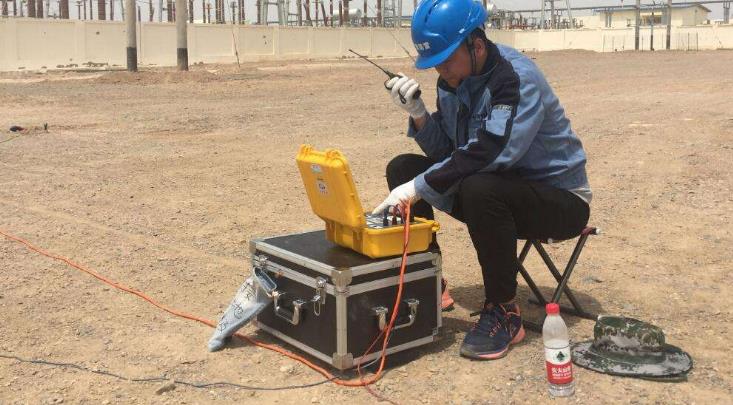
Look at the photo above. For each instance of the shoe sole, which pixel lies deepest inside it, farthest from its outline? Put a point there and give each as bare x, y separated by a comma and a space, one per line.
493, 356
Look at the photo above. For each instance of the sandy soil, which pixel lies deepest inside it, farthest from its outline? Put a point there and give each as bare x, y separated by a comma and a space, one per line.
160, 179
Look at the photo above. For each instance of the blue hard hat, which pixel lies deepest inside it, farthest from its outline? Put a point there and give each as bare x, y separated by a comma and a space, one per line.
439, 27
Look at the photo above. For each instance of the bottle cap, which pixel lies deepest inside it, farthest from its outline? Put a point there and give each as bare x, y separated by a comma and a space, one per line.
552, 308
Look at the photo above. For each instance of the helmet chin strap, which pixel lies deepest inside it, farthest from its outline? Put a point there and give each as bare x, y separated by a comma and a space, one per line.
472, 53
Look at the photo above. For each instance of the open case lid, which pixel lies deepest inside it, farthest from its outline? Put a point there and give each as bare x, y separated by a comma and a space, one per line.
330, 187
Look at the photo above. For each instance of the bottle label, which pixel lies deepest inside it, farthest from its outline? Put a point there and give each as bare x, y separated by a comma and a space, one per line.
558, 364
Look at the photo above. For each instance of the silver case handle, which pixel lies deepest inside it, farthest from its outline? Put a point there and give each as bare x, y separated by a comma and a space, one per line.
381, 313
292, 317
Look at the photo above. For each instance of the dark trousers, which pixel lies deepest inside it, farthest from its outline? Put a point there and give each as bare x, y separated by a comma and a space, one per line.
498, 209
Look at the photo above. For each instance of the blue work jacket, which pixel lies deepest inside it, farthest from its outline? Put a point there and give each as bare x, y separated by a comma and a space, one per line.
507, 118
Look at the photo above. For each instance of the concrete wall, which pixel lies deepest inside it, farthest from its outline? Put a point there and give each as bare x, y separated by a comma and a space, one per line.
705, 37
33, 44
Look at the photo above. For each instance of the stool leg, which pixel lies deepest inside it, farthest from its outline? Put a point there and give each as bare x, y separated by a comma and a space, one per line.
525, 273
563, 279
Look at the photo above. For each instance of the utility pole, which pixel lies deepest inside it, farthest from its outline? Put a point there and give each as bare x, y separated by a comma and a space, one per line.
380, 23
190, 11
552, 14
308, 12
347, 16
111, 10
150, 10
203, 10
131, 36
669, 25
64, 9
91, 9
181, 34
323, 13
651, 42
542, 15
638, 22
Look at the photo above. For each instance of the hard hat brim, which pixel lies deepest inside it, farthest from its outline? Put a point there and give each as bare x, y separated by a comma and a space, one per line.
437, 59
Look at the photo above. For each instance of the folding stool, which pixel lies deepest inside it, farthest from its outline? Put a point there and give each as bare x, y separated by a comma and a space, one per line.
561, 278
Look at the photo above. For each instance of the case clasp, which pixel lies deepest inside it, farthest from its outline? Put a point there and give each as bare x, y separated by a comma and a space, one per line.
320, 297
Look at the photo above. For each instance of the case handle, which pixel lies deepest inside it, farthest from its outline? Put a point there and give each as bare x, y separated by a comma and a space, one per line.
381, 313
292, 317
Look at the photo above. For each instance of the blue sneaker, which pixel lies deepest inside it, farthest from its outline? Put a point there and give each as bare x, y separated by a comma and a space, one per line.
498, 327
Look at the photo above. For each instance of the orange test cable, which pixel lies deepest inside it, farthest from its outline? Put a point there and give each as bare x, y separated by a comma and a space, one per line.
173, 311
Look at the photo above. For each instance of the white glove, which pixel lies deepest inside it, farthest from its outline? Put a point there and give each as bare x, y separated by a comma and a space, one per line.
402, 195
407, 87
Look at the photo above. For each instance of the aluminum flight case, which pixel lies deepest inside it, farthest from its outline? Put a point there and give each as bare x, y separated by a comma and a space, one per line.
331, 302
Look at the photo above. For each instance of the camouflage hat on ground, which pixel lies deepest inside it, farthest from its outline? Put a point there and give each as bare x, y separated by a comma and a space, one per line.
629, 347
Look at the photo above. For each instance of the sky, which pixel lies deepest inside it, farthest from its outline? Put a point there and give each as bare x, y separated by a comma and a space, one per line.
251, 10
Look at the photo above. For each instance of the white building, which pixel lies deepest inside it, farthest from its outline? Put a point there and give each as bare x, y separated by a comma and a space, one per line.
682, 15
622, 17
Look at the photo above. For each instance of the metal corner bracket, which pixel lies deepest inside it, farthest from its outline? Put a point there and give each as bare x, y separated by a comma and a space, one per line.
341, 277
343, 361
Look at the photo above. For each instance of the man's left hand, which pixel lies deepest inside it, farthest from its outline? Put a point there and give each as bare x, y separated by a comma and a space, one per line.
402, 195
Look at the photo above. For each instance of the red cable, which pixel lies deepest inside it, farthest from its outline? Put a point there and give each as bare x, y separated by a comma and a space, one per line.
388, 330
322, 371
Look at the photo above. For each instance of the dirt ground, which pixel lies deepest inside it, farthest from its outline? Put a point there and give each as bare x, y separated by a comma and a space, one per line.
159, 180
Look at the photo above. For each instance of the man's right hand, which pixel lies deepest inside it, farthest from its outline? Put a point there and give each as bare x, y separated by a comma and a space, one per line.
403, 85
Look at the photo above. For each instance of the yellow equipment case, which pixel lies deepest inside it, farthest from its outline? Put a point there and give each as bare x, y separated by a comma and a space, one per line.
333, 197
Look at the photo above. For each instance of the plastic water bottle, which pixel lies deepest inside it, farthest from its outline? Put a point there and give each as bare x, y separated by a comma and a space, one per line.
557, 353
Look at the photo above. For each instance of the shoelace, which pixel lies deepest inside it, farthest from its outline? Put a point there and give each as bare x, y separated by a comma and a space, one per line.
495, 319
500, 316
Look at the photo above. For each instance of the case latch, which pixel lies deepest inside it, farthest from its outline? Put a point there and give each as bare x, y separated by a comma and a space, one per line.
259, 262
381, 313
320, 297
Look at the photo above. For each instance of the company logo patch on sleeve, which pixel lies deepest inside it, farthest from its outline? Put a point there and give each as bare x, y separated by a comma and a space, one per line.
502, 107
500, 115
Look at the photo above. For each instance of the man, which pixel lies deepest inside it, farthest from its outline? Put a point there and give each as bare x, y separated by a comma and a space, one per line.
500, 157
